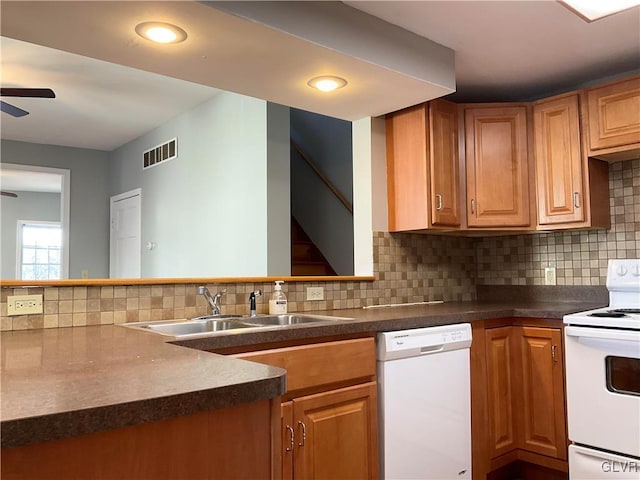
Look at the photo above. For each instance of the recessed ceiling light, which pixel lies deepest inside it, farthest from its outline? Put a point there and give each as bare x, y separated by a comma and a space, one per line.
592, 10
161, 32
327, 83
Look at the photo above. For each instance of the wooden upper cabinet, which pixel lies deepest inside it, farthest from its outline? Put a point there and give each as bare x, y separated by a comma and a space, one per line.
543, 426
559, 161
444, 174
614, 118
497, 166
572, 190
422, 167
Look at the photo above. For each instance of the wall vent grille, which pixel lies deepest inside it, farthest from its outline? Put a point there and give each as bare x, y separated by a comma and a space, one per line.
159, 154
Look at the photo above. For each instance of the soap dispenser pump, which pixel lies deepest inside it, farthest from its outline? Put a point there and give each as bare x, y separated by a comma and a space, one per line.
278, 302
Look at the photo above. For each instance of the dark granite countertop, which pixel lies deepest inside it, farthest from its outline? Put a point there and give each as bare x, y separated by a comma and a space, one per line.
66, 382
72, 381
383, 319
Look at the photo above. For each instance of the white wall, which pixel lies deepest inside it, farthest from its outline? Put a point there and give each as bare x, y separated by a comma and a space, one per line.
89, 207
278, 187
34, 206
206, 210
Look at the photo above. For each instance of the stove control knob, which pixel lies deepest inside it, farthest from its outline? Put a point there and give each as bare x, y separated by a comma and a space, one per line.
635, 270
621, 271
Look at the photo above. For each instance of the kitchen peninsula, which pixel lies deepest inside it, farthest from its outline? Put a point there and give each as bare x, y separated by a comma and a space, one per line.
98, 388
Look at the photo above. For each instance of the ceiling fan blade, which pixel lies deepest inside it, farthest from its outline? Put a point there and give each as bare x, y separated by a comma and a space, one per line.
12, 110
8, 194
27, 92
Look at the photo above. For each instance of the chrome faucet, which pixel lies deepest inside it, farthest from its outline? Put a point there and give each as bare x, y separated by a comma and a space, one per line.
213, 300
252, 302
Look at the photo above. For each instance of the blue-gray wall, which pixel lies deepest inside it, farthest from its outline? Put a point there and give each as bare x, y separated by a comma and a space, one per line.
89, 208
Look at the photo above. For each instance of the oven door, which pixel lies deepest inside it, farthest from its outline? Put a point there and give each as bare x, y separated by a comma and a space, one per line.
603, 388
589, 464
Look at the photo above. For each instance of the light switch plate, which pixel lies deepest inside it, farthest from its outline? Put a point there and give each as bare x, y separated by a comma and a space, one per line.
24, 304
315, 293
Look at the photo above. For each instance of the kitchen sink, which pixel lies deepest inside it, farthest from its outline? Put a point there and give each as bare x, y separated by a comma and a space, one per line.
191, 327
217, 324
291, 319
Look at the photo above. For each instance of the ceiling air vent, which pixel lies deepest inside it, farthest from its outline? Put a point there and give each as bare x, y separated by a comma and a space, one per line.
159, 154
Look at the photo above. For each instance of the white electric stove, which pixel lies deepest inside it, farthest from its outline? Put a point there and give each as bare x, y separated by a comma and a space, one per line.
603, 381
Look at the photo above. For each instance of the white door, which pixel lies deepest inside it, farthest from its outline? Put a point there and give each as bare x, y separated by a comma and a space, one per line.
125, 241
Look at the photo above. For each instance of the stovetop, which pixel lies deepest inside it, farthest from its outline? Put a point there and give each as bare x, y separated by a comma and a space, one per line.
623, 283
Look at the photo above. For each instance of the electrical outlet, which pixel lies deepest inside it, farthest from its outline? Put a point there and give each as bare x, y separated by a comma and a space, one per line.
549, 275
315, 293
24, 304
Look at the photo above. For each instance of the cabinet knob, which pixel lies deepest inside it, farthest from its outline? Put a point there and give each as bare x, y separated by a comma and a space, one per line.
438, 201
554, 357
291, 440
473, 206
576, 199
304, 433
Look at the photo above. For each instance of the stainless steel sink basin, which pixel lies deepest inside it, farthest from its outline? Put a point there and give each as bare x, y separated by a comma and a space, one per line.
199, 326
291, 319
217, 324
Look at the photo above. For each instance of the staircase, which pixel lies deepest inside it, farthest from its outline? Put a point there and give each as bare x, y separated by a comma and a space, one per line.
306, 259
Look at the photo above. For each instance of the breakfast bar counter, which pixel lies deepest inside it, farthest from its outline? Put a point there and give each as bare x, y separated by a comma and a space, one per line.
65, 382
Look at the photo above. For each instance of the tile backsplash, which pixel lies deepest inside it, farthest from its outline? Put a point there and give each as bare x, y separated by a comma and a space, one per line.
580, 257
408, 268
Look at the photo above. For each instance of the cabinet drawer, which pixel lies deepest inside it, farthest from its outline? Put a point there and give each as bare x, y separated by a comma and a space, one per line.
322, 363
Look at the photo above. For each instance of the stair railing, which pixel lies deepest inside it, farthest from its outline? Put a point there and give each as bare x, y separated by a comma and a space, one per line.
322, 177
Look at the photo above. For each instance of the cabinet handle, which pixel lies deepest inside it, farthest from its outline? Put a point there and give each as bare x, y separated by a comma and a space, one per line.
291, 441
553, 353
304, 433
576, 199
439, 199
473, 206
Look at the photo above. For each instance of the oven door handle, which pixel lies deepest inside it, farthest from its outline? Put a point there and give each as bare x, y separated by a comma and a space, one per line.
603, 333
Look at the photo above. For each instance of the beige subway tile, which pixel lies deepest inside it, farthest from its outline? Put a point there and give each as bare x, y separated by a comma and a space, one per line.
79, 293
106, 318
65, 320
119, 316
132, 304
79, 319
106, 292
50, 293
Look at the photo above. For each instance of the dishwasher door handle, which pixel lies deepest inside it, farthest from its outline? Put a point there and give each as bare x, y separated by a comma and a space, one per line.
431, 349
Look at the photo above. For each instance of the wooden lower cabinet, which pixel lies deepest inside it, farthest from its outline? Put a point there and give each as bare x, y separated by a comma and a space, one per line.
541, 387
500, 388
329, 416
231, 443
331, 434
518, 398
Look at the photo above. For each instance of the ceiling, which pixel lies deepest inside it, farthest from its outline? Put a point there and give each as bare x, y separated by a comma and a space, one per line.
504, 50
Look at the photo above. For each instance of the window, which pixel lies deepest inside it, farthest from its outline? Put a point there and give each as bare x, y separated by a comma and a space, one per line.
40, 246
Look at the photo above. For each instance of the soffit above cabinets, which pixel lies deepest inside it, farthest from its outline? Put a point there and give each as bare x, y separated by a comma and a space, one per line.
228, 52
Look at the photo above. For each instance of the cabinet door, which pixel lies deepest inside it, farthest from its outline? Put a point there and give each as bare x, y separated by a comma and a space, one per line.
497, 167
614, 114
336, 434
407, 170
443, 161
559, 167
288, 440
542, 406
422, 167
500, 353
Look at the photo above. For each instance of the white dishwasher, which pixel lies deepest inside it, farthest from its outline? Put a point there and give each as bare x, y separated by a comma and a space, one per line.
425, 403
